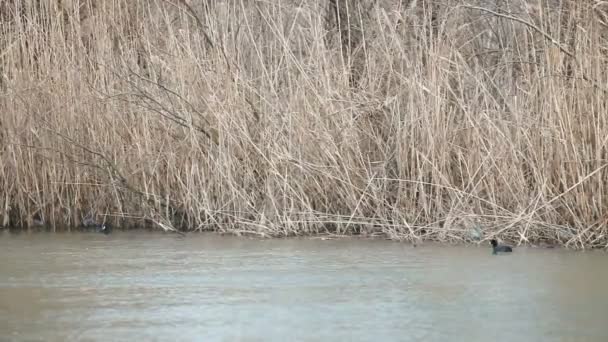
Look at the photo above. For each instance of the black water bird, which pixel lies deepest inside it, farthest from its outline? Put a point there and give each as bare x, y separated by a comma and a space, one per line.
496, 248
104, 228
90, 224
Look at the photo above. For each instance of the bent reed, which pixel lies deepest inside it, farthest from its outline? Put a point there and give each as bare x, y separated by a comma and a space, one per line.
415, 120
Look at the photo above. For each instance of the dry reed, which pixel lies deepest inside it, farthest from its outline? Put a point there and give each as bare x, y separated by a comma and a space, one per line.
414, 120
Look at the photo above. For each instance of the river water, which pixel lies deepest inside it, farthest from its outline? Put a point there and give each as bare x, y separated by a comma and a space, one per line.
158, 287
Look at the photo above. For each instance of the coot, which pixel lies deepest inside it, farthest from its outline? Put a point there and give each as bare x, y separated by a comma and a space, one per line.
499, 248
105, 228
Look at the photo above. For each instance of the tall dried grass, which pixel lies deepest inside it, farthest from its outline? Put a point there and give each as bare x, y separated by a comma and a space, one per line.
265, 118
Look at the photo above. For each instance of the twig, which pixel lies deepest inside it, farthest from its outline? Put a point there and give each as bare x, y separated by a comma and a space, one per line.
526, 23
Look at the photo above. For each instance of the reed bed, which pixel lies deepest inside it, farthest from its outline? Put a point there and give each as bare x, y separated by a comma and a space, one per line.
414, 120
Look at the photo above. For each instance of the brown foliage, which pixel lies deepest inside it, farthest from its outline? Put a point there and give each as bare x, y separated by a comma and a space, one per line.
418, 120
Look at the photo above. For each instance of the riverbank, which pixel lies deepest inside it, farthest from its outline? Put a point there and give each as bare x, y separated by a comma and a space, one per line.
418, 122
471, 237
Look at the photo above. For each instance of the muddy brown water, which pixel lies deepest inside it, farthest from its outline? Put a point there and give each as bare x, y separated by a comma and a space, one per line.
158, 287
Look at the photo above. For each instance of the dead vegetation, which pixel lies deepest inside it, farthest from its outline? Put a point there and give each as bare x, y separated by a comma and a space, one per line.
409, 119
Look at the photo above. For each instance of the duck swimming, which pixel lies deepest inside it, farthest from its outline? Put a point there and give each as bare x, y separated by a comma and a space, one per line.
496, 248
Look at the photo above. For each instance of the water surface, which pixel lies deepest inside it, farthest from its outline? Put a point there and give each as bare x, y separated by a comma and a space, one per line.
159, 287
